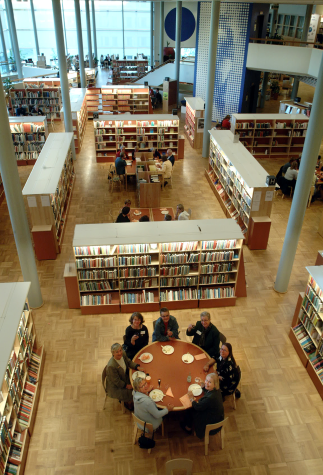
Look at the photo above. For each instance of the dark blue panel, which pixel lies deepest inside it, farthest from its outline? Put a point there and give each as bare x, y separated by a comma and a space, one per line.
188, 24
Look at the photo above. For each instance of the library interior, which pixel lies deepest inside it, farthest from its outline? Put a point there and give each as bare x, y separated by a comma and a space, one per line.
191, 339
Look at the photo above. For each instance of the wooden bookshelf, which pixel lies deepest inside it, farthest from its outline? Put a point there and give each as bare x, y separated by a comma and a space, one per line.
271, 135
21, 369
49, 190
93, 101
79, 115
44, 82
307, 327
118, 99
48, 99
28, 135
194, 111
291, 107
127, 70
154, 263
239, 183
145, 131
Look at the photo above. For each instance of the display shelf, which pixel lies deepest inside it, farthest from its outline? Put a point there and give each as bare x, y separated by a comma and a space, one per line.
48, 191
271, 135
79, 115
194, 111
291, 107
20, 361
28, 135
157, 266
128, 70
47, 98
239, 183
144, 131
306, 332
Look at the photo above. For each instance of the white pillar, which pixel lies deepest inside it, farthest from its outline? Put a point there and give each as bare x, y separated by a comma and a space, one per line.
152, 34
178, 45
88, 28
79, 41
32, 10
14, 38
161, 34
94, 31
4, 45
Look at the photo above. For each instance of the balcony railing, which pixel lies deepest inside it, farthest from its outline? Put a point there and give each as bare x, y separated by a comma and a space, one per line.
285, 42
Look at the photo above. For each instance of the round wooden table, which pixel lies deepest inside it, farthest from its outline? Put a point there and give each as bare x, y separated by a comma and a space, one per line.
171, 370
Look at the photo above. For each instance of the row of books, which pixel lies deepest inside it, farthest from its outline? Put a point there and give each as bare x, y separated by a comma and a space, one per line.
98, 274
27, 138
312, 299
12, 363
22, 126
33, 367
215, 279
96, 262
94, 250
178, 295
133, 248
5, 442
179, 258
178, 281
26, 405
223, 244
178, 270
304, 339
179, 246
219, 256
315, 287
138, 283
140, 297
218, 293
139, 272
28, 147
98, 286
135, 260
96, 299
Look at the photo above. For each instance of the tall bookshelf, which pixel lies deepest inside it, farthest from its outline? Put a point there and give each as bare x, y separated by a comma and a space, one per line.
153, 265
93, 101
21, 369
144, 131
306, 331
271, 135
79, 115
48, 99
192, 128
49, 190
239, 183
127, 70
28, 135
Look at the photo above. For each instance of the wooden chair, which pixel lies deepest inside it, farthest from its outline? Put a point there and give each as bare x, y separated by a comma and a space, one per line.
233, 395
210, 427
115, 180
223, 339
179, 464
154, 324
149, 427
104, 377
189, 212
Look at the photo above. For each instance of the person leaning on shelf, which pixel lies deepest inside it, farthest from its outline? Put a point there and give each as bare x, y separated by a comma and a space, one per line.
122, 150
124, 215
167, 217
120, 164
227, 369
205, 335
170, 156
144, 218
226, 125
166, 169
166, 327
181, 214
117, 380
136, 336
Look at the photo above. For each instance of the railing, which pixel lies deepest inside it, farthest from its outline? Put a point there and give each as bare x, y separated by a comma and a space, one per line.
284, 42
154, 69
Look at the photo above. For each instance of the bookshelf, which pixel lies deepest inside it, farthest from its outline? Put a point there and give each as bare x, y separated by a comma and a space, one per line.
49, 190
194, 111
145, 131
127, 70
307, 327
28, 136
239, 183
44, 82
291, 107
48, 99
271, 135
79, 115
154, 265
21, 369
93, 101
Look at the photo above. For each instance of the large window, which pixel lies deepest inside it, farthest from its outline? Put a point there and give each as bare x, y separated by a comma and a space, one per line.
290, 26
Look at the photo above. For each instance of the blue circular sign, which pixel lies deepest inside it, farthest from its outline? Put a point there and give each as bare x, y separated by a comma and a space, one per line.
188, 24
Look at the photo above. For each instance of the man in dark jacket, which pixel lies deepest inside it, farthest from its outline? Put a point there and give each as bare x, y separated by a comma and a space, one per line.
170, 156
166, 327
120, 164
124, 215
206, 335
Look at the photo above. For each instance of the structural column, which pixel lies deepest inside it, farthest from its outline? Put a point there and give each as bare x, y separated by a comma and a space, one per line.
88, 28
32, 10
161, 34
178, 45
16, 207
14, 38
58, 25
213, 44
4, 45
151, 35
94, 31
307, 21
79, 41
123, 50
264, 90
294, 88
303, 185
274, 19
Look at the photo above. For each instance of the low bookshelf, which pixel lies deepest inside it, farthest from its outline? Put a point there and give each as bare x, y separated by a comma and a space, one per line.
48, 191
44, 82
21, 369
79, 115
271, 135
29, 135
47, 98
239, 183
145, 131
155, 266
307, 327
128, 70
193, 127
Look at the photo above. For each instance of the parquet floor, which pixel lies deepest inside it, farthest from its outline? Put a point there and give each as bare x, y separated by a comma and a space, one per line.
277, 428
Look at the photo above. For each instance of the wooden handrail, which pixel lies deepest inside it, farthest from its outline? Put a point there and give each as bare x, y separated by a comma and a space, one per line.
282, 42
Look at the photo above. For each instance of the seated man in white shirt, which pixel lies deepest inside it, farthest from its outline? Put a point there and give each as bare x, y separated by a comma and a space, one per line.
166, 169
181, 214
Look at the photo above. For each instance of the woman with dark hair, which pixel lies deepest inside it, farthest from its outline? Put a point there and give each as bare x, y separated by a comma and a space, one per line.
226, 369
136, 336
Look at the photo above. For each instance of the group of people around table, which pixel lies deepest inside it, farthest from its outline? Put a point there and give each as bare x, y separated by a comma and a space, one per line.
124, 215
206, 410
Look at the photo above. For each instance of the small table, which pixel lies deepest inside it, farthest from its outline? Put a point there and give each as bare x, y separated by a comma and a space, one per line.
157, 214
143, 211
171, 370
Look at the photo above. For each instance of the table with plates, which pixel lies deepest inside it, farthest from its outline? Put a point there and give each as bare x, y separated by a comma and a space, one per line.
158, 214
137, 213
172, 367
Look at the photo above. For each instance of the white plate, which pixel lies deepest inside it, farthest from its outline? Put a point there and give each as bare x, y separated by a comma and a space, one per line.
164, 212
187, 358
196, 389
168, 349
156, 395
137, 214
147, 360
138, 374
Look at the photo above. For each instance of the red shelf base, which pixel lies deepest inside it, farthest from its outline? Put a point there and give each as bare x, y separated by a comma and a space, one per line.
179, 304
211, 303
98, 309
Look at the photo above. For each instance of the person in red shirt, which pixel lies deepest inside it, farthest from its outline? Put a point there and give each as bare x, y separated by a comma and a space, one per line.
226, 125
122, 149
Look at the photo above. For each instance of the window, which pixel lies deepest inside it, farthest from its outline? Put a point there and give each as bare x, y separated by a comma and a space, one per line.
290, 26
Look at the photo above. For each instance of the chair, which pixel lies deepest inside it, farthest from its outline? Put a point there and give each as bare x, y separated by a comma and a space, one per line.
210, 427
104, 377
189, 212
115, 179
154, 324
233, 395
179, 464
149, 427
223, 338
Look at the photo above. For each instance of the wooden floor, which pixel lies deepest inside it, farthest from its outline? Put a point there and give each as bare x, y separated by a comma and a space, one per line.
277, 428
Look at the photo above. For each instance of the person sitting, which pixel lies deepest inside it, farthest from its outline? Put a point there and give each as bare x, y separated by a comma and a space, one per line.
205, 335
166, 327
122, 150
181, 214
134, 153
167, 217
287, 165
156, 154
158, 96
124, 215
207, 410
289, 180
36, 110
136, 336
166, 169
120, 164
21, 111
226, 369
226, 125
144, 219
117, 380
144, 407
170, 156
